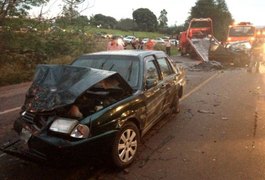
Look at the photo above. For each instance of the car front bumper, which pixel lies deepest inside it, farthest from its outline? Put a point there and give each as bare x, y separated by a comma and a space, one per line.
51, 149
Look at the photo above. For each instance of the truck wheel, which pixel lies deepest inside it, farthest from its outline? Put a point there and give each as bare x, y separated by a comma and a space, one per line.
125, 145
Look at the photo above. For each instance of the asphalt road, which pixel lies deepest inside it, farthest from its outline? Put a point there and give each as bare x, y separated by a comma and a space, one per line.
217, 135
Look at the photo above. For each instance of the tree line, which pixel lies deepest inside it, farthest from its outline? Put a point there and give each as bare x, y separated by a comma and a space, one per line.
143, 19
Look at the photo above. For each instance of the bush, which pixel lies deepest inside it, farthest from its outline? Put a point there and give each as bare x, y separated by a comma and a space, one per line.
21, 52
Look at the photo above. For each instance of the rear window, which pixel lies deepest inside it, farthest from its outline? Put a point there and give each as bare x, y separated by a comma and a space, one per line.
127, 66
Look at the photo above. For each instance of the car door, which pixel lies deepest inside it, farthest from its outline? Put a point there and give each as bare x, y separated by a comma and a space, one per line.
154, 91
169, 84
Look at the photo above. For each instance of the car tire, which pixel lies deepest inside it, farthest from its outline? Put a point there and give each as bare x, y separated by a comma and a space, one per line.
125, 145
175, 107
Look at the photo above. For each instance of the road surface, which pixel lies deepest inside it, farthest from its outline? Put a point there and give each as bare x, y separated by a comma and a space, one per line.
219, 134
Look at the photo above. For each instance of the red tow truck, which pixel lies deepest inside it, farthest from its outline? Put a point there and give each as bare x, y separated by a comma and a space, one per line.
195, 41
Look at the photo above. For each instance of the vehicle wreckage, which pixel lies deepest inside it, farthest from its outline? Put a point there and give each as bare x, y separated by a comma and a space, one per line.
46, 123
80, 110
237, 52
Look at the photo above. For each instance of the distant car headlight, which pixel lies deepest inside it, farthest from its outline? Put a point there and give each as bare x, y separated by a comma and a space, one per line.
70, 127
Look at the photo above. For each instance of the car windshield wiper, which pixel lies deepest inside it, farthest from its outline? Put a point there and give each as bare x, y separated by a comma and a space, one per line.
101, 66
107, 58
111, 67
130, 71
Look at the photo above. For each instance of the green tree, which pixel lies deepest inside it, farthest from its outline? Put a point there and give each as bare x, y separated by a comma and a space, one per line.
17, 7
145, 19
224, 18
103, 21
126, 24
217, 11
78, 22
70, 10
162, 19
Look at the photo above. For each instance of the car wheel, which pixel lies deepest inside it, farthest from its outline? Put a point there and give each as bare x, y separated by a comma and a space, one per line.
175, 108
125, 145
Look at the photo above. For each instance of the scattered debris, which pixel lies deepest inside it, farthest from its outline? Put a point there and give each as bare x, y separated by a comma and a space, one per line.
126, 170
208, 65
206, 112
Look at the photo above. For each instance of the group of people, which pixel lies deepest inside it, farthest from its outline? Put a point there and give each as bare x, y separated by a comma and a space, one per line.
117, 44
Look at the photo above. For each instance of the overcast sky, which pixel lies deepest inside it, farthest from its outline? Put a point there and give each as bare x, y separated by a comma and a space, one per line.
178, 10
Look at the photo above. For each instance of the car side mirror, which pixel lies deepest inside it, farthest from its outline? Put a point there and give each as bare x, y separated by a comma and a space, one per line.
150, 83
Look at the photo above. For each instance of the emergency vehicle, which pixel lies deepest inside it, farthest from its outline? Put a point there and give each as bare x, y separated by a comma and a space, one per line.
243, 31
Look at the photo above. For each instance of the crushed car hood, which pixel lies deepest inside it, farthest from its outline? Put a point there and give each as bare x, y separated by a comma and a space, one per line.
60, 85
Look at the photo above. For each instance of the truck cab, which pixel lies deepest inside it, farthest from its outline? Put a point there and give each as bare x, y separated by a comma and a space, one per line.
243, 31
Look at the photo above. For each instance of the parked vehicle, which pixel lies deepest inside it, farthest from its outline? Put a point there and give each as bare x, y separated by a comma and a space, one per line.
128, 39
159, 40
174, 42
144, 40
102, 103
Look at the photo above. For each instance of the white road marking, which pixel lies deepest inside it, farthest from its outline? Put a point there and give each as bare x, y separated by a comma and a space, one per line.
198, 87
9, 110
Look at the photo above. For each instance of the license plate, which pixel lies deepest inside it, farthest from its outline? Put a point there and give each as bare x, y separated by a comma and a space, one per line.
25, 135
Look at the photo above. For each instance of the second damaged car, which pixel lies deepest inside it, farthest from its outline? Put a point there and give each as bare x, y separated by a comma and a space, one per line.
237, 53
102, 103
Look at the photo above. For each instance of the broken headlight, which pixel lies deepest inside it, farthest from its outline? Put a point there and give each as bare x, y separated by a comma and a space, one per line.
70, 127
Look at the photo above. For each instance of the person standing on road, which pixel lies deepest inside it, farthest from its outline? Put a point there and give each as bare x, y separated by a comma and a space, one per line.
168, 47
140, 44
257, 55
114, 45
149, 45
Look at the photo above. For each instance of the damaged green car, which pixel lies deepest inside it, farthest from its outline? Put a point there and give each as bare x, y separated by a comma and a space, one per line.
102, 103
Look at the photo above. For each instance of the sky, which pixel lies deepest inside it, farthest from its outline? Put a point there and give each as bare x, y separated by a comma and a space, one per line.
177, 10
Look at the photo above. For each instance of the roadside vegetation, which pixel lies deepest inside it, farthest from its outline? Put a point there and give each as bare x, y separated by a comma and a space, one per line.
24, 48
25, 43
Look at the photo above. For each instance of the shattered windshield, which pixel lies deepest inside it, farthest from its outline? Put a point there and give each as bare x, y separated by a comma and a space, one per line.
242, 31
126, 66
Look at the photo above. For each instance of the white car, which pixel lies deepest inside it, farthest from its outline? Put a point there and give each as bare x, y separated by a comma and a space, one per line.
144, 40
128, 39
174, 42
159, 40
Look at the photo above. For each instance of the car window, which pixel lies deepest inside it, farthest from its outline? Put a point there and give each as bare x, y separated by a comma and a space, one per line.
127, 66
164, 67
151, 70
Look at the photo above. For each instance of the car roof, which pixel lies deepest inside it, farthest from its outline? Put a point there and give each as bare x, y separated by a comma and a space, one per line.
136, 53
